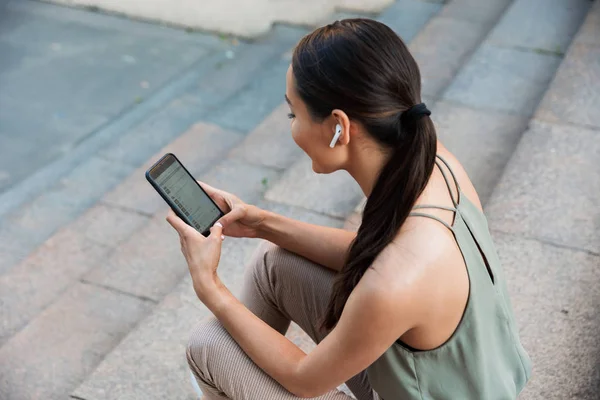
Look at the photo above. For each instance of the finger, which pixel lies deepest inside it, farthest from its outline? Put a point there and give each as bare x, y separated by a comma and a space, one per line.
216, 232
177, 223
180, 225
232, 216
217, 195
209, 189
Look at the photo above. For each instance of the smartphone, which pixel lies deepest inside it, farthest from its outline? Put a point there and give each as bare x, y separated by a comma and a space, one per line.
183, 193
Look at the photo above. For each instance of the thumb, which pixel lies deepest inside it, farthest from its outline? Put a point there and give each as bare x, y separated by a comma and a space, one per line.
216, 232
232, 216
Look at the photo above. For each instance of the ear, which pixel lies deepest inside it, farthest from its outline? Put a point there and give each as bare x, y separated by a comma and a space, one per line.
341, 118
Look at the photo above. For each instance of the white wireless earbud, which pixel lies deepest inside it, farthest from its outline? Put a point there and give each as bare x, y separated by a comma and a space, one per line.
338, 132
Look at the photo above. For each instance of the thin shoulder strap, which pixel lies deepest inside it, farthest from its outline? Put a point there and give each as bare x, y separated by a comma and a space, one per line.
418, 214
434, 206
455, 202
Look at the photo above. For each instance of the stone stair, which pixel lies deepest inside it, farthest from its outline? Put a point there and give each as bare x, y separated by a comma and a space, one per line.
40, 205
114, 322
92, 208
545, 217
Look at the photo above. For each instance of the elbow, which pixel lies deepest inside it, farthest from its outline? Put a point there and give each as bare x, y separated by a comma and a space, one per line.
300, 386
304, 384
299, 389
304, 392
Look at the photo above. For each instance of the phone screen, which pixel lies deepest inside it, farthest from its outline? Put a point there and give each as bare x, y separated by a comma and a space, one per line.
185, 193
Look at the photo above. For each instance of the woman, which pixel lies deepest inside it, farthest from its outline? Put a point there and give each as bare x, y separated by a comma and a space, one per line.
412, 306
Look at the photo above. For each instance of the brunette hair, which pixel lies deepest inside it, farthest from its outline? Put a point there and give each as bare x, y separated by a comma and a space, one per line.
362, 67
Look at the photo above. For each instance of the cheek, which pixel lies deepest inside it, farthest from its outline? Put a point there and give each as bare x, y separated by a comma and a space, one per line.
294, 130
300, 135
304, 136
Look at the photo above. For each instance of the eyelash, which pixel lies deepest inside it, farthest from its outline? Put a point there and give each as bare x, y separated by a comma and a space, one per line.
291, 116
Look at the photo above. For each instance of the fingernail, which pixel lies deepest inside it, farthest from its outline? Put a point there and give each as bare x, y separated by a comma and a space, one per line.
222, 237
218, 223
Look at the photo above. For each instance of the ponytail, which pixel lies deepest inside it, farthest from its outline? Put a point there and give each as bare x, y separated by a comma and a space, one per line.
362, 67
399, 185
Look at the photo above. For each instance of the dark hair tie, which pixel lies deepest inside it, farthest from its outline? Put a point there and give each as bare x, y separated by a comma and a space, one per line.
416, 112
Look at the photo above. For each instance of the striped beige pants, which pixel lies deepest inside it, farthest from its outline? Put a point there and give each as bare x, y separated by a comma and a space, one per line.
279, 287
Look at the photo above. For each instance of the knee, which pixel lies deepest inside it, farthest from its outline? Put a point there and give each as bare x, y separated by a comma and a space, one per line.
265, 257
203, 345
275, 266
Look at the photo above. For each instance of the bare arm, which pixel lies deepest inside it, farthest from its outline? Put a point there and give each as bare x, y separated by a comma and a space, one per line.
370, 323
375, 315
321, 244
324, 245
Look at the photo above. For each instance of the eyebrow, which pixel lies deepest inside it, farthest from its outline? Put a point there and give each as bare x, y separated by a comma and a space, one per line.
287, 99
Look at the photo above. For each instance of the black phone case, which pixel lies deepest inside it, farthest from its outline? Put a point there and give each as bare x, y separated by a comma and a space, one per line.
168, 200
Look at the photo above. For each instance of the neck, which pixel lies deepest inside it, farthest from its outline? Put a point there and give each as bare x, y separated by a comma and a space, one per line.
365, 167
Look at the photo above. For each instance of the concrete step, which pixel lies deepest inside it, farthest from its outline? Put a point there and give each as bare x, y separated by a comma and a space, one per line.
449, 40
129, 267
150, 362
51, 355
483, 113
255, 101
82, 251
108, 247
545, 218
66, 74
86, 243
270, 144
119, 231
140, 76
333, 194
63, 190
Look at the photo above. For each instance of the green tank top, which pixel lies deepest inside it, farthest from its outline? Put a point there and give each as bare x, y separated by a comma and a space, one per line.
483, 359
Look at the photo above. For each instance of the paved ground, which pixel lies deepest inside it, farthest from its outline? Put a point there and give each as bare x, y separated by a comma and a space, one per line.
85, 311
252, 17
66, 75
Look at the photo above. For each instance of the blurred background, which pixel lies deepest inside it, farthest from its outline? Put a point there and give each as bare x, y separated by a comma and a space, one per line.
95, 299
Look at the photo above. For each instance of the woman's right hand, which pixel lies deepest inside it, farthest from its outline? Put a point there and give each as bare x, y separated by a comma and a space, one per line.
240, 219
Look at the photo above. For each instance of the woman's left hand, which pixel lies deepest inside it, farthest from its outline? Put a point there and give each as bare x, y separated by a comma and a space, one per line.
201, 253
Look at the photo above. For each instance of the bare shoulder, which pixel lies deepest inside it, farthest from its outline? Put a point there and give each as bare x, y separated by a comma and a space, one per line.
399, 280
461, 175
386, 303
420, 271
419, 280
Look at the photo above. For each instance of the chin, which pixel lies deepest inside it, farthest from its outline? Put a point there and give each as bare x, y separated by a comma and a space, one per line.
316, 168
320, 169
